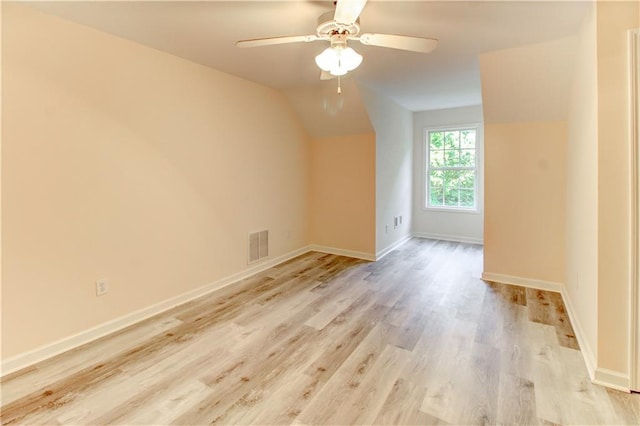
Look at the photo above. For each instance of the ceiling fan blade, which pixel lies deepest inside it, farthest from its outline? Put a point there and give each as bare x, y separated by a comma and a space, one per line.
414, 44
257, 42
347, 11
326, 75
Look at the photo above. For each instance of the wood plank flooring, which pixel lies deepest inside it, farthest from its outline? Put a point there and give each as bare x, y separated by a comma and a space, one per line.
416, 338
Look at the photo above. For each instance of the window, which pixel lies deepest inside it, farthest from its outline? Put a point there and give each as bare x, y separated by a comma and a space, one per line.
452, 169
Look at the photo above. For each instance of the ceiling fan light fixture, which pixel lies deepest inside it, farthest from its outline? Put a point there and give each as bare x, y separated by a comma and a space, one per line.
338, 60
326, 59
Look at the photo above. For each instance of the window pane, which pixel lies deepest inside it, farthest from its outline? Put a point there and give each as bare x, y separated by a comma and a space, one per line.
452, 140
467, 179
436, 140
451, 178
436, 178
466, 198
436, 158
436, 187
436, 197
467, 158
468, 139
452, 158
451, 197
449, 153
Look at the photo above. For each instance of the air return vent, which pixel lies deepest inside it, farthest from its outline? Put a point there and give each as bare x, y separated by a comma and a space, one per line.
258, 245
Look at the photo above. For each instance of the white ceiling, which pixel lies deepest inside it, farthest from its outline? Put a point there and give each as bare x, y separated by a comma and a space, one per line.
206, 31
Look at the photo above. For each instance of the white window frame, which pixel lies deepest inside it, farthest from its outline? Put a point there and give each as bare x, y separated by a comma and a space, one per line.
476, 209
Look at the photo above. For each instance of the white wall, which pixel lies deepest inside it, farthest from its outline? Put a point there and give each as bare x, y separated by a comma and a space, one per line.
582, 193
455, 225
394, 163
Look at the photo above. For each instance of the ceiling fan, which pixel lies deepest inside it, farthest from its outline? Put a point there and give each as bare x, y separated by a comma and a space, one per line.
340, 27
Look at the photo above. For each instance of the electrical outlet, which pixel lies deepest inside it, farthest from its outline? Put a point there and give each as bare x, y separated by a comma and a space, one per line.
400, 219
102, 287
386, 229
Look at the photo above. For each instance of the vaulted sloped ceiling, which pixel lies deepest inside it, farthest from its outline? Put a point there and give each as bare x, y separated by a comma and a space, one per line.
528, 83
325, 113
206, 31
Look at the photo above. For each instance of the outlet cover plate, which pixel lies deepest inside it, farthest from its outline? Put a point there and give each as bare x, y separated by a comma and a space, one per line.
102, 287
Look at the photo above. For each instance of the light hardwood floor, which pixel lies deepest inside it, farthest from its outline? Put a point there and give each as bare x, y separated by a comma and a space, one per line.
416, 338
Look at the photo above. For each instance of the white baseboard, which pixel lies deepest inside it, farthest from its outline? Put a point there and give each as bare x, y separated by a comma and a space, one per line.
612, 379
445, 237
385, 251
523, 282
342, 252
586, 349
361, 255
26, 359
599, 376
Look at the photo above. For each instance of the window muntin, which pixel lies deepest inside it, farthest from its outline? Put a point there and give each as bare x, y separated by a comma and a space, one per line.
451, 168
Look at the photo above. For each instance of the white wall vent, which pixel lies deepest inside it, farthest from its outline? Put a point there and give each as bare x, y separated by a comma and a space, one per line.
258, 245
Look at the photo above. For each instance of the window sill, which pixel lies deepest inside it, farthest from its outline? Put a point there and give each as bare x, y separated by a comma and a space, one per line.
451, 210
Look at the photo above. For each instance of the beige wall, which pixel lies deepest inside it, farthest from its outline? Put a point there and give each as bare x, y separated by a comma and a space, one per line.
525, 95
595, 262
123, 162
343, 188
614, 19
524, 200
582, 192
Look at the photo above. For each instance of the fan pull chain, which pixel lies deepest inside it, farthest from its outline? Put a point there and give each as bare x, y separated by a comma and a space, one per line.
339, 86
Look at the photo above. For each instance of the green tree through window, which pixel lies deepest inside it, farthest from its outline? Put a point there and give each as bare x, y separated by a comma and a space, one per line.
451, 168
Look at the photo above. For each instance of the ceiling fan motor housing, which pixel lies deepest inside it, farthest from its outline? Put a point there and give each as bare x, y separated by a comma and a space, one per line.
327, 26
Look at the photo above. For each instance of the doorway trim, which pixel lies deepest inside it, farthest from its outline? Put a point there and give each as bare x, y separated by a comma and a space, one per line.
634, 158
